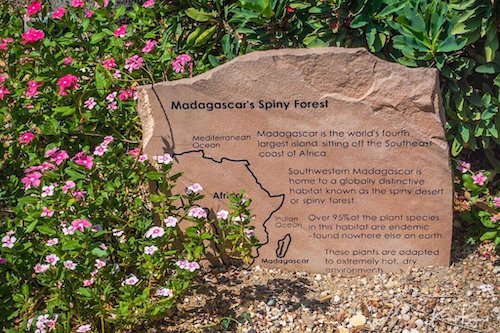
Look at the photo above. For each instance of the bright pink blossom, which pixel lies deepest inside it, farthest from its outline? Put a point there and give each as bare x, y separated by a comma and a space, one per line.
52, 259
121, 31
148, 3
78, 194
59, 13
99, 263
3, 91
100, 150
89, 282
131, 281
41, 268
496, 202
67, 61
111, 97
66, 82
31, 179
463, 166
69, 264
68, 186
89, 13
117, 74
165, 292
495, 218
109, 63
113, 105
479, 178
134, 152
47, 212
32, 35
59, 156
81, 224
142, 158
26, 138
3, 261
197, 212
180, 62
77, 3
126, 94
133, 63
90, 103
33, 8
3, 77
150, 45
4, 43
32, 90
82, 159
51, 152
84, 328
108, 139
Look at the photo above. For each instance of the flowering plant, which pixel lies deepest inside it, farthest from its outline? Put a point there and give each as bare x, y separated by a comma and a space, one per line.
91, 248
483, 204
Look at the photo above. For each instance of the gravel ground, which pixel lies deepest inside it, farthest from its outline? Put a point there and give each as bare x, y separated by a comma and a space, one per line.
461, 298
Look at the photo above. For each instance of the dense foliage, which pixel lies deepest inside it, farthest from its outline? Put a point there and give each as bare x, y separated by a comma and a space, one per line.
68, 79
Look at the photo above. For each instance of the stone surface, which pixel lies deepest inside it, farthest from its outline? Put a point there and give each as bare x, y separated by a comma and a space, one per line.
342, 153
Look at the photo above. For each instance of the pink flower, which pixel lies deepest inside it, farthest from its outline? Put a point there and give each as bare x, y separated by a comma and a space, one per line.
78, 194
59, 156
51, 152
495, 218
142, 158
84, 328
89, 282
150, 45
121, 31
41, 268
195, 188
48, 191
180, 62
31, 179
68, 230
51, 323
155, 232
197, 212
67, 82
4, 44
496, 202
67, 61
249, 232
26, 138
117, 74
77, 3
90, 103
148, 3
89, 13
165, 292
3, 91
32, 35
52, 259
109, 63
68, 186
165, 159
111, 97
150, 250
33, 8
479, 178
113, 105
133, 63
52, 242
131, 281
32, 90
47, 212
100, 150
59, 13
463, 166
8, 241
3, 261
188, 265
128, 43
170, 221
134, 152
126, 94
82, 159
107, 140
3, 77
222, 214
99, 263
81, 224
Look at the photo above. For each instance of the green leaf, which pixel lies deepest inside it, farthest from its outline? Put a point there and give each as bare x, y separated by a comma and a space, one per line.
450, 44
213, 60
64, 110
96, 38
74, 174
71, 245
464, 132
488, 235
153, 175
120, 12
98, 252
205, 36
199, 15
46, 230
101, 81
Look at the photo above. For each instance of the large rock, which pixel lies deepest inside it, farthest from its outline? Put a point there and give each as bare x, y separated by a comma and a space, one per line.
344, 154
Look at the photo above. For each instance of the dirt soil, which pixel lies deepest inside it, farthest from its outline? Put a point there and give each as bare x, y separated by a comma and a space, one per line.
461, 298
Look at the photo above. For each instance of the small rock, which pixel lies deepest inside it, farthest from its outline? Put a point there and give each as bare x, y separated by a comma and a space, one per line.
357, 320
405, 308
336, 299
342, 329
419, 323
